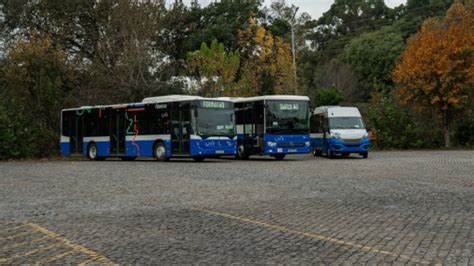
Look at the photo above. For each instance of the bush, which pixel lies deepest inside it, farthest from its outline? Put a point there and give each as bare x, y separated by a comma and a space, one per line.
465, 133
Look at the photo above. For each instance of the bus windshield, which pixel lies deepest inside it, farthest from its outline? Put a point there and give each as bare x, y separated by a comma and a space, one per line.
287, 117
346, 123
215, 122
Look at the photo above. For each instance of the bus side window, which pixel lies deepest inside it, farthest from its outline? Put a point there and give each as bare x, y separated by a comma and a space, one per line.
66, 124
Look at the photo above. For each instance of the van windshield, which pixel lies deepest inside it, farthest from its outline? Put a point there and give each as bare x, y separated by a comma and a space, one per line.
346, 123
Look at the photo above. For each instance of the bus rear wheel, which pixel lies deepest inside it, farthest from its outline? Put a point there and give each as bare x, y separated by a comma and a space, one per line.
280, 157
160, 152
92, 152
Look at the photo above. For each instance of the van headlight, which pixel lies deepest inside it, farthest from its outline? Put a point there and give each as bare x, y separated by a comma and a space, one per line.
366, 135
271, 144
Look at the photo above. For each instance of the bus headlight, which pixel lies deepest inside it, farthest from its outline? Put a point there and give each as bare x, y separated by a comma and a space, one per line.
335, 135
307, 143
271, 144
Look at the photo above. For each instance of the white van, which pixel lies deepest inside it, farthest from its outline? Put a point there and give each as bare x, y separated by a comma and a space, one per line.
337, 130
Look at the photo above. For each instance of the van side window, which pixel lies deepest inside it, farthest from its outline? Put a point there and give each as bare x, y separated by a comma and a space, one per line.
315, 124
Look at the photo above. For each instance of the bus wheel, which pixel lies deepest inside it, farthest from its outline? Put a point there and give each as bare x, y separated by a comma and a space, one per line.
92, 152
198, 159
160, 152
280, 157
241, 154
317, 152
331, 154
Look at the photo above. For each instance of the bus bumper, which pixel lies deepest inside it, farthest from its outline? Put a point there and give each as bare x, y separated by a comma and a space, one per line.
213, 147
276, 144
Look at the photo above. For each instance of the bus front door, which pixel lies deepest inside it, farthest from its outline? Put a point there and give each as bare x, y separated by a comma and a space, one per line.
75, 141
181, 129
117, 134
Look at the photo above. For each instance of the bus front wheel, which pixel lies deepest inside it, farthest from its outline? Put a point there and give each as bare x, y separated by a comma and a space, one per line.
317, 152
241, 154
160, 152
280, 157
198, 159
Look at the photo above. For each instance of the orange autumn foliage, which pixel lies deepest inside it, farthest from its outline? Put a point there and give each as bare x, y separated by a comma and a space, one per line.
437, 67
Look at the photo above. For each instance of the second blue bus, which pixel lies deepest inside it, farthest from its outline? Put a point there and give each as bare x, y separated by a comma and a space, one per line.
274, 125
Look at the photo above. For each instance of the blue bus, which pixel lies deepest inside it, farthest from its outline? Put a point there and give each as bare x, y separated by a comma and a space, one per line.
338, 130
159, 127
274, 125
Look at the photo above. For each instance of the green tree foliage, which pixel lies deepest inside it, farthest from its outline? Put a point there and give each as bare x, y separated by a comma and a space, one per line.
372, 56
328, 97
346, 19
220, 20
37, 74
215, 68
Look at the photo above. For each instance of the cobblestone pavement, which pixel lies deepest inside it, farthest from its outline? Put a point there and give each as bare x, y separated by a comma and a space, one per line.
395, 207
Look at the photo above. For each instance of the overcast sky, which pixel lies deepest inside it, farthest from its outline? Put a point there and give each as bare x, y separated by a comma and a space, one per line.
314, 7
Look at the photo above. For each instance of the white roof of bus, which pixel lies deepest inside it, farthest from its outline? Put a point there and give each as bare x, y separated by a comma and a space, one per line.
159, 99
338, 111
269, 97
178, 98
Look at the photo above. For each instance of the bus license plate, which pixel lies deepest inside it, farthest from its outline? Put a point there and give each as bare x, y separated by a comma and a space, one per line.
292, 150
220, 152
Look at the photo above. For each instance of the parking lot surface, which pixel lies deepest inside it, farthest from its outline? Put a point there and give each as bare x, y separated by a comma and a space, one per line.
395, 207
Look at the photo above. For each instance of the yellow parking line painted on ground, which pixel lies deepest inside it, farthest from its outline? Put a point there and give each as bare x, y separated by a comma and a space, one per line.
55, 257
14, 236
312, 235
31, 252
8, 229
77, 247
24, 243
84, 263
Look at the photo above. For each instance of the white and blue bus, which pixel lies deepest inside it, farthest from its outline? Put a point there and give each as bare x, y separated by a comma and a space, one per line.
159, 127
338, 130
272, 125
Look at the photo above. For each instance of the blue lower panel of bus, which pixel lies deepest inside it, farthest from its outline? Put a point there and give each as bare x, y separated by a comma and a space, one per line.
65, 148
213, 147
287, 144
144, 148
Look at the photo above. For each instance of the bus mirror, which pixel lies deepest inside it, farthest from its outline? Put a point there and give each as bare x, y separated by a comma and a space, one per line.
232, 117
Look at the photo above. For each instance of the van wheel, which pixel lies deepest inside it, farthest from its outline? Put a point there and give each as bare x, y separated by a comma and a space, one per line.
280, 157
160, 152
241, 154
92, 152
365, 155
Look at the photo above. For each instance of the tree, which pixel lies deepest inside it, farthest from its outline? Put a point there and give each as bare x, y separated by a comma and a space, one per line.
328, 96
346, 19
36, 76
437, 68
372, 56
266, 62
215, 68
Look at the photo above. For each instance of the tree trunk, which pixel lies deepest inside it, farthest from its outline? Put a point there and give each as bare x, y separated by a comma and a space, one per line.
446, 122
